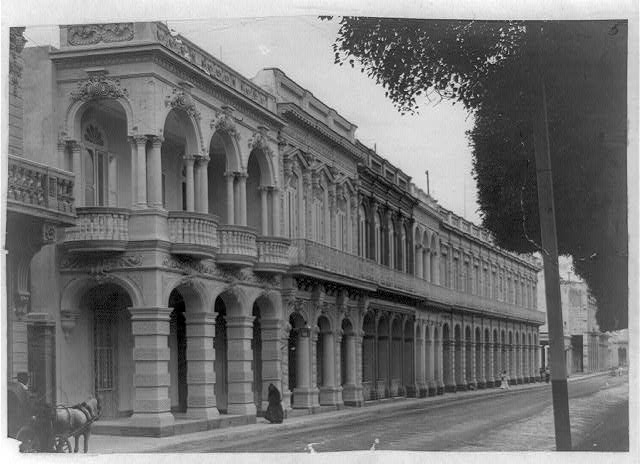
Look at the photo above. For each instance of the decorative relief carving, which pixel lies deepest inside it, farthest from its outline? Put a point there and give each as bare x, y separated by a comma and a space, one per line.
89, 34
180, 99
100, 265
16, 45
98, 86
48, 233
259, 141
225, 122
68, 319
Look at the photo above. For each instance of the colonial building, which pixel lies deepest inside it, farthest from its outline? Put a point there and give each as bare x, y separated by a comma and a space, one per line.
232, 233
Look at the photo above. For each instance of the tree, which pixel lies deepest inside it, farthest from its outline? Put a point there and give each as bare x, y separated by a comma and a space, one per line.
487, 67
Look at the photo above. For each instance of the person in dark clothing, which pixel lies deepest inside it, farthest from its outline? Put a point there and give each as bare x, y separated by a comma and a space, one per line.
274, 413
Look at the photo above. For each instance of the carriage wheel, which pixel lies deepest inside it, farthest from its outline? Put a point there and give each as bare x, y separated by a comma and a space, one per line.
63, 445
28, 439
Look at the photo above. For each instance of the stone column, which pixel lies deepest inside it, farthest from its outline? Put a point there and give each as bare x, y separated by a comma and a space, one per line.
152, 406
78, 184
230, 177
189, 161
202, 184
520, 362
240, 356
449, 346
276, 217
201, 376
271, 359
154, 173
513, 377
303, 393
140, 182
471, 351
432, 365
481, 382
489, 369
328, 390
461, 381
313, 368
242, 191
264, 210
284, 360
352, 388
419, 359
62, 147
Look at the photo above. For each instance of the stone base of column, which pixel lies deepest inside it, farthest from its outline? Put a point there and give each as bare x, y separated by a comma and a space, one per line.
352, 395
513, 381
422, 390
462, 387
304, 398
481, 385
450, 388
207, 413
489, 384
412, 390
152, 424
520, 380
432, 389
241, 409
472, 385
382, 390
330, 396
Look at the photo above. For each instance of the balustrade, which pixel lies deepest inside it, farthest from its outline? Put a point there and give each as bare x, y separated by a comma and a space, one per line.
237, 245
192, 233
322, 257
273, 254
98, 229
33, 186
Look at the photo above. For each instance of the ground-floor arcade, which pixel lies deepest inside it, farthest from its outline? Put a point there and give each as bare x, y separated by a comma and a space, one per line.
187, 340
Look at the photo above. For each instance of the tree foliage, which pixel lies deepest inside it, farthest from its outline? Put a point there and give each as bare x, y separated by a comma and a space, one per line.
488, 68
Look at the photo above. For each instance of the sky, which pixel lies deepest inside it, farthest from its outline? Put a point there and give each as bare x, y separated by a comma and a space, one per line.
432, 140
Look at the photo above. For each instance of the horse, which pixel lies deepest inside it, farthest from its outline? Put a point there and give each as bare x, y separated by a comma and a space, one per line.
77, 420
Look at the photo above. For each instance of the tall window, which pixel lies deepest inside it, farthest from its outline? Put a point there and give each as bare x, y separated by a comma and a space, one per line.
97, 166
292, 207
378, 241
362, 232
392, 244
318, 215
341, 226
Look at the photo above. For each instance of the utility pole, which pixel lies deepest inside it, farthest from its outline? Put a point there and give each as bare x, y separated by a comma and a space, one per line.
549, 238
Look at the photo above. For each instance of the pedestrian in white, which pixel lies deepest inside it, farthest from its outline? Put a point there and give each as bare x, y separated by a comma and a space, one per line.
504, 382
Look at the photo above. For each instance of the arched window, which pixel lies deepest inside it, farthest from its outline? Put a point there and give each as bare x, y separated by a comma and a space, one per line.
378, 237
404, 247
392, 244
292, 210
99, 169
362, 232
318, 216
341, 225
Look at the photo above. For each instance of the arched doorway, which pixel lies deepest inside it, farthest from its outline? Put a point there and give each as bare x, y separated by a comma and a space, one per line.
177, 354
256, 363
383, 381
369, 357
221, 363
223, 185
396, 356
259, 195
112, 352
408, 369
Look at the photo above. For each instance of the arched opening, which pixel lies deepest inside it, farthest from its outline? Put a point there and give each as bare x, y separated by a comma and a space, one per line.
221, 362
517, 352
369, 357
488, 359
503, 364
104, 311
103, 177
325, 363
177, 353
409, 380
511, 362
347, 369
383, 381
437, 363
478, 352
469, 358
377, 228
447, 359
497, 366
396, 358
391, 242
221, 179
179, 142
459, 359
622, 356
256, 362
362, 232
259, 200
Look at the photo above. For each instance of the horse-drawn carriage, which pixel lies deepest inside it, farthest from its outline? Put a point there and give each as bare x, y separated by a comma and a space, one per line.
40, 427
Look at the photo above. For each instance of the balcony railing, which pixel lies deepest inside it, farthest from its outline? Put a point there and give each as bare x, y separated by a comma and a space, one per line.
193, 234
273, 254
39, 190
321, 257
98, 229
237, 245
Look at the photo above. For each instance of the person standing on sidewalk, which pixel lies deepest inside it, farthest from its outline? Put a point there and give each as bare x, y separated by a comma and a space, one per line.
504, 382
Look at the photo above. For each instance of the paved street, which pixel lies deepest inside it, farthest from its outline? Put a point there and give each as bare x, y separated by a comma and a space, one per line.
504, 421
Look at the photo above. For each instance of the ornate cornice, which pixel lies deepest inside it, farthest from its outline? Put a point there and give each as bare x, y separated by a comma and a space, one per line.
89, 34
98, 86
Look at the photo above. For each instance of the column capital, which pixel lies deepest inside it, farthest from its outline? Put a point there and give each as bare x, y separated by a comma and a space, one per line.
155, 139
150, 313
242, 175
138, 139
74, 145
200, 317
230, 174
189, 158
202, 158
239, 321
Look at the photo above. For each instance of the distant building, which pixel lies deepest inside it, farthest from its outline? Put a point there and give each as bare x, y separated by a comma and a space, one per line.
586, 347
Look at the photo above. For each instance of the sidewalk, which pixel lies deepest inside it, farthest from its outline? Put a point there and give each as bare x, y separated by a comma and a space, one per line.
107, 444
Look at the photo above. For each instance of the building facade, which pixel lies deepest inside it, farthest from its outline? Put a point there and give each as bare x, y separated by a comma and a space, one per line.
233, 233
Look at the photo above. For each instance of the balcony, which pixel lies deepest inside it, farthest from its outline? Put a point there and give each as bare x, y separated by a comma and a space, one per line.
273, 254
310, 258
38, 190
193, 234
237, 245
98, 229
